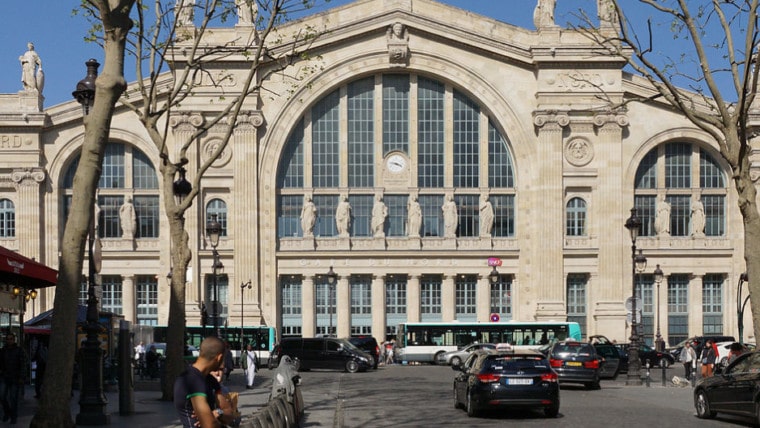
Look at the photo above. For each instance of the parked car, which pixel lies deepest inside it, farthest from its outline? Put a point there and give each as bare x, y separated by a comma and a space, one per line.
734, 391
576, 362
456, 357
612, 360
369, 345
321, 353
491, 379
697, 342
647, 353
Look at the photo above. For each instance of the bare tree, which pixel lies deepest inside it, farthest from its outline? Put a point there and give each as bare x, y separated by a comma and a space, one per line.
722, 41
54, 408
175, 54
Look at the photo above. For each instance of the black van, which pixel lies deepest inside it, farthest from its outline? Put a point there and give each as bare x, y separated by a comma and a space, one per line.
321, 353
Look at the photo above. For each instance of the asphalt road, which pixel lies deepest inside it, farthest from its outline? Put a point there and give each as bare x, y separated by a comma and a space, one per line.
421, 396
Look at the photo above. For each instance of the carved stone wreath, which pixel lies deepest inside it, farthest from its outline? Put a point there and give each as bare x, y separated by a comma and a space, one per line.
579, 151
210, 147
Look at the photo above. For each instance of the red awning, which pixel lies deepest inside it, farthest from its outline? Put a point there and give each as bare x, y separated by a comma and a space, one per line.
16, 269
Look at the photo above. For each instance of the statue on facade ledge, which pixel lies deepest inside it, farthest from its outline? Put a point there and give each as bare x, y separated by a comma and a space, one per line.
398, 44
32, 76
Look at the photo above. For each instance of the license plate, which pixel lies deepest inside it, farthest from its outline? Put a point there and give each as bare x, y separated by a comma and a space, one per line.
519, 381
573, 364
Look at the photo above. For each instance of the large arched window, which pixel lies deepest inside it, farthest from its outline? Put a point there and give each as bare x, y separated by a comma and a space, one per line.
576, 217
7, 219
218, 207
127, 173
691, 182
404, 117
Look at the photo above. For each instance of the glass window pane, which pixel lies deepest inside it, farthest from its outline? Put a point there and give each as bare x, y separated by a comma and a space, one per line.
576, 217
112, 176
325, 141
219, 208
291, 166
678, 166
7, 219
469, 214
466, 141
646, 175
395, 224
710, 175
361, 209
146, 211
326, 205
144, 175
395, 113
361, 132
500, 171
430, 133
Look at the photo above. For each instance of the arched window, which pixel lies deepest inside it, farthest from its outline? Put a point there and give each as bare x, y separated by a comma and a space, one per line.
218, 207
576, 217
690, 180
127, 173
7, 219
383, 115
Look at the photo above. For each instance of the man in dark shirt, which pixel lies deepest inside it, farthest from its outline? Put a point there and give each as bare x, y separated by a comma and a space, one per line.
195, 389
13, 367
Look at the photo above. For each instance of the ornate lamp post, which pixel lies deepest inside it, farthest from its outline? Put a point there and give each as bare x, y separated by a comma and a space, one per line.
493, 277
92, 400
633, 224
741, 305
243, 286
332, 277
659, 343
213, 231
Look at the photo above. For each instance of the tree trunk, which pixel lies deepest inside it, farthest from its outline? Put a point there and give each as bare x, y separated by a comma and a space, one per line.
55, 411
748, 207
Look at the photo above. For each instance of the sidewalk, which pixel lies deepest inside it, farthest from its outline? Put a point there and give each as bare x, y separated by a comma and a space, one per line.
150, 411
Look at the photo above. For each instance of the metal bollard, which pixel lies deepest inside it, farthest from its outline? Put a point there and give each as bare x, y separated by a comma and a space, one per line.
663, 373
649, 377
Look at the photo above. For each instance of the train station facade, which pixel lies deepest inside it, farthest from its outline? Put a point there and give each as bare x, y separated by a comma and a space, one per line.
426, 141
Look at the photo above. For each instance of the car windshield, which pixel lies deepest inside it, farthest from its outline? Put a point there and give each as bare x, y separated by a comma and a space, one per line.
514, 363
573, 349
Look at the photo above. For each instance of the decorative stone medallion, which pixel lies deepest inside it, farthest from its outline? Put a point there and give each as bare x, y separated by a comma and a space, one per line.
579, 151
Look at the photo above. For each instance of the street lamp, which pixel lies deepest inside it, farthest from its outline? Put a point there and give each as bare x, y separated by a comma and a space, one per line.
181, 187
633, 224
243, 286
659, 344
332, 277
741, 305
92, 400
493, 276
213, 231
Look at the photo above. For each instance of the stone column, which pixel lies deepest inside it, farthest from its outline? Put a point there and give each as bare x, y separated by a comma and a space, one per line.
244, 220
308, 308
129, 298
378, 307
413, 298
343, 306
448, 298
483, 299
662, 308
694, 301
27, 183
546, 225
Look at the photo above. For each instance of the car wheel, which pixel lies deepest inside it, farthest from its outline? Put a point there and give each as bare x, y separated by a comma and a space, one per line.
702, 405
471, 410
553, 410
437, 356
352, 366
593, 385
455, 361
664, 362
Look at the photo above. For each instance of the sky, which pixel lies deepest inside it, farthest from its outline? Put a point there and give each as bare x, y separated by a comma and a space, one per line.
58, 36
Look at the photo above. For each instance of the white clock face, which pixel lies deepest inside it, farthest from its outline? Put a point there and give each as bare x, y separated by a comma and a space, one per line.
396, 163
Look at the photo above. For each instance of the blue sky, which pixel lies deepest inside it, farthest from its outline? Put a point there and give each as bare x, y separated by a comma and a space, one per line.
59, 37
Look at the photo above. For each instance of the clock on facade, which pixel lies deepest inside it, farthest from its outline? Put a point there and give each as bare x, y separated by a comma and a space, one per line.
396, 163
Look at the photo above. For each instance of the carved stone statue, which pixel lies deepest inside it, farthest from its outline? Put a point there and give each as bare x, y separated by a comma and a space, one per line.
543, 14
128, 219
398, 44
486, 216
608, 17
184, 12
450, 217
247, 11
308, 216
414, 221
662, 220
32, 77
697, 218
343, 216
379, 214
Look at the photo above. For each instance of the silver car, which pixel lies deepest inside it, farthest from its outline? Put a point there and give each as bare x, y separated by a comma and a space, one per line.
455, 358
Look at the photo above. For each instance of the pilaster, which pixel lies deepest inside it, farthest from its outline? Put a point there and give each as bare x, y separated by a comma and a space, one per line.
28, 210
308, 314
694, 303
343, 307
413, 298
483, 299
378, 307
128, 298
448, 298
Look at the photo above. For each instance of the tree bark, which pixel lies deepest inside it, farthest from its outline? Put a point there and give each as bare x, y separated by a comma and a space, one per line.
55, 411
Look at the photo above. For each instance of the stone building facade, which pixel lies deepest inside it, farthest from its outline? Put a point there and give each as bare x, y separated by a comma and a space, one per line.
448, 138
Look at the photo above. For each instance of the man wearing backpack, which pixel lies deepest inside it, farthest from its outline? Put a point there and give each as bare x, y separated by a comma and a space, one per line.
13, 368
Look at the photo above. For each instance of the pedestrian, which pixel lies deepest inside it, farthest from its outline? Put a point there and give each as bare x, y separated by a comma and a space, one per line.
708, 359
229, 361
151, 361
687, 358
140, 357
248, 363
12, 366
195, 390
388, 353
40, 358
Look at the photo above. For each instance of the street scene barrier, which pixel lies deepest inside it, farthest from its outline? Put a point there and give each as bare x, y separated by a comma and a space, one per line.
285, 406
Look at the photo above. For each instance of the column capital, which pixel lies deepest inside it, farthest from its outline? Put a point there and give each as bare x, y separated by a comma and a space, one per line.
186, 122
550, 117
28, 176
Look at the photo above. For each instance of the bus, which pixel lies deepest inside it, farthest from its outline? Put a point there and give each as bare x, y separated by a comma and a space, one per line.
424, 341
261, 337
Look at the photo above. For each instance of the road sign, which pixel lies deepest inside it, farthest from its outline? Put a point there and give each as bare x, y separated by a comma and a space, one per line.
629, 304
495, 318
494, 261
638, 317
